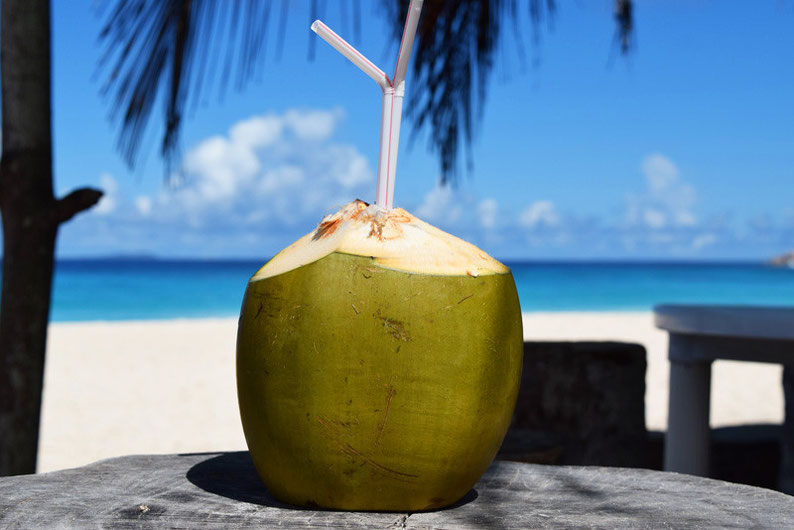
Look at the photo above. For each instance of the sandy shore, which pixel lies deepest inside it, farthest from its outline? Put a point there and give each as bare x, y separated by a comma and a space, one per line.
168, 386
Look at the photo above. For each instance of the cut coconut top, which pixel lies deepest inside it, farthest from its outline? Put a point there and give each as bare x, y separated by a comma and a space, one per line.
393, 238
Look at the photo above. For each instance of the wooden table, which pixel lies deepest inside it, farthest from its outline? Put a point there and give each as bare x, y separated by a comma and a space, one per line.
222, 490
701, 334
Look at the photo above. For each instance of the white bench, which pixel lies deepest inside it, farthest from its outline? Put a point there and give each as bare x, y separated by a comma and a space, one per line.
700, 334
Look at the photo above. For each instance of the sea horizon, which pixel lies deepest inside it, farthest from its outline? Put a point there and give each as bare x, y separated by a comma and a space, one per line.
506, 261
114, 288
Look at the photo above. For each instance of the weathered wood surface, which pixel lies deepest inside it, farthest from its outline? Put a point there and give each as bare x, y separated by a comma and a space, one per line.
222, 490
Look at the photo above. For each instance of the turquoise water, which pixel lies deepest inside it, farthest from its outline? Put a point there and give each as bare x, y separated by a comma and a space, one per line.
157, 289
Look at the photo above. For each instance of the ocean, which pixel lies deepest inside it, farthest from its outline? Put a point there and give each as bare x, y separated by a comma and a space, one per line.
143, 289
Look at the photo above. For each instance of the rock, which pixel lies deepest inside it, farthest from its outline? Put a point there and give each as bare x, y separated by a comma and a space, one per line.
784, 260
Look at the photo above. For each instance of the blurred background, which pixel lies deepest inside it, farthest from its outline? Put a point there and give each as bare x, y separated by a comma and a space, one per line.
678, 149
674, 149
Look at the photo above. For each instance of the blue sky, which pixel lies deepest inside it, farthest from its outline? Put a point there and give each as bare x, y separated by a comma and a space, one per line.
683, 150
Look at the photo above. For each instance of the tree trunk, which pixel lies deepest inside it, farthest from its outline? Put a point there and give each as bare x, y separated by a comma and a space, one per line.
31, 216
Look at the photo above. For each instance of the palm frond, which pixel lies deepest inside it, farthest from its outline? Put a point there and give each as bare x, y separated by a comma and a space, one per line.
624, 15
178, 50
174, 49
453, 60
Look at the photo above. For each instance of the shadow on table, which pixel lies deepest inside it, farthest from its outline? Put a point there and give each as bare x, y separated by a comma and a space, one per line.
232, 475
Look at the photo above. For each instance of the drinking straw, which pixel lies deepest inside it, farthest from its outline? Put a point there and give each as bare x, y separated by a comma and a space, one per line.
351, 53
393, 91
398, 82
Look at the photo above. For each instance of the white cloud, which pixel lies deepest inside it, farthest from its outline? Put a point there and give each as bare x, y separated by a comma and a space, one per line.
250, 191
270, 170
667, 200
258, 131
144, 205
539, 214
685, 218
110, 188
280, 178
270, 178
347, 166
220, 166
654, 218
487, 211
660, 172
441, 205
313, 125
703, 240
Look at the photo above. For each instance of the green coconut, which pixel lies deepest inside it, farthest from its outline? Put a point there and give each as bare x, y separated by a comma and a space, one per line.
378, 363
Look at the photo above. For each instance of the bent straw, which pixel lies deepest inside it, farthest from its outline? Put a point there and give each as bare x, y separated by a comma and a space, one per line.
392, 101
343, 47
398, 82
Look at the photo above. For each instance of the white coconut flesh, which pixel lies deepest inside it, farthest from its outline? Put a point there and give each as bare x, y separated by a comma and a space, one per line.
394, 239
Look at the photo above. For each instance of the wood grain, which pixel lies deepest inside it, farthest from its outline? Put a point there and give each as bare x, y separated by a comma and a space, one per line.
222, 490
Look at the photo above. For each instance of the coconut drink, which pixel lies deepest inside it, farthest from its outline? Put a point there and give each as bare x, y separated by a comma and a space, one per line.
378, 357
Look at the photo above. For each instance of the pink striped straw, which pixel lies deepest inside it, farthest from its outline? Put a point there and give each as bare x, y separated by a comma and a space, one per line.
351, 53
393, 94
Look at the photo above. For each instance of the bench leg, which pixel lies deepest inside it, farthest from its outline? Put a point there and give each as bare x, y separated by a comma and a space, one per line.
686, 446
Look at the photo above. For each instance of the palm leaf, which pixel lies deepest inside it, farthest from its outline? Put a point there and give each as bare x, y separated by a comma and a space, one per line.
454, 57
175, 50
179, 49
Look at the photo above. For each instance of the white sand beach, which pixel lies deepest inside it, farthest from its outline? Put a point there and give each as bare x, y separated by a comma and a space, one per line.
116, 388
